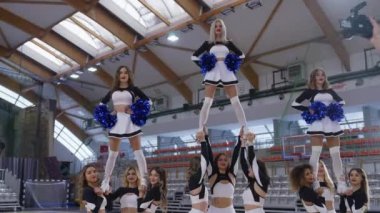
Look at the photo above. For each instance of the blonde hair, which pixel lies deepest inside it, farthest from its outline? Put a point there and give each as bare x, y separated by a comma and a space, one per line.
212, 31
312, 83
126, 182
327, 177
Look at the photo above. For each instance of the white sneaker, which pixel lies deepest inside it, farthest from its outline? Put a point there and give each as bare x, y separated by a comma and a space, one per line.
105, 185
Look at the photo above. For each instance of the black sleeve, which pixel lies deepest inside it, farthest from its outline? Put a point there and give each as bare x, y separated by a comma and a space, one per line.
336, 97
107, 98
231, 46
90, 197
235, 156
204, 158
342, 204
297, 104
202, 49
114, 195
261, 176
243, 163
211, 168
360, 199
309, 195
140, 93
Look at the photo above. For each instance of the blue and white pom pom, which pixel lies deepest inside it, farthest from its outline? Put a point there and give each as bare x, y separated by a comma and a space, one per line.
207, 62
232, 62
141, 110
319, 109
335, 112
104, 116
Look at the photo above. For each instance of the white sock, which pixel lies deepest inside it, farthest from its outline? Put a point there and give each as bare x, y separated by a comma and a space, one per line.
337, 163
235, 102
141, 164
314, 162
112, 156
203, 114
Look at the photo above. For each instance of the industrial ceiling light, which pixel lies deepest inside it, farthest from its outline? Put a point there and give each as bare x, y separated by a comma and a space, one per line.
92, 69
74, 76
172, 37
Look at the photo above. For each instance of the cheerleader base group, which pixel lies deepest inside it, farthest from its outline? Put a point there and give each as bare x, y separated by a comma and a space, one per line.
145, 190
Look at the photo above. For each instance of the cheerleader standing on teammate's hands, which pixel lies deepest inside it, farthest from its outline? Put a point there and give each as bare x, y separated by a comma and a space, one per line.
123, 95
319, 90
219, 76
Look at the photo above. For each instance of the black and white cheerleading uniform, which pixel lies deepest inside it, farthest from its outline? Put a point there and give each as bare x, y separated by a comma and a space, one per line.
261, 180
325, 126
223, 190
146, 204
124, 127
197, 180
94, 203
219, 76
356, 203
128, 197
307, 194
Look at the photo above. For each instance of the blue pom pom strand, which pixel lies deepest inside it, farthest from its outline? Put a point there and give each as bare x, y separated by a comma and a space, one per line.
319, 109
141, 110
232, 62
207, 62
104, 117
335, 112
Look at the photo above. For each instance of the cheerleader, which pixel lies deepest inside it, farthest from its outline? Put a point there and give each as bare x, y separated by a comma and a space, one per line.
123, 95
319, 90
219, 76
356, 199
90, 194
258, 179
301, 180
156, 192
327, 187
222, 179
195, 176
129, 193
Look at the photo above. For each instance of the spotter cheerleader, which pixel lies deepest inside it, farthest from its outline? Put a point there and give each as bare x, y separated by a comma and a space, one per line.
256, 174
222, 179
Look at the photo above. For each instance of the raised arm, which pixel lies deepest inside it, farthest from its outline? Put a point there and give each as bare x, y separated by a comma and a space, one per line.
297, 104
235, 156
243, 162
211, 168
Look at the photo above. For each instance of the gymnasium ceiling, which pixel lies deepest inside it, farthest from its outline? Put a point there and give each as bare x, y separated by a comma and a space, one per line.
48, 40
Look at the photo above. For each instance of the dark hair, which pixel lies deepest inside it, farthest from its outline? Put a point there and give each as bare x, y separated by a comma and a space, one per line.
217, 158
82, 179
297, 176
116, 81
162, 185
364, 183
